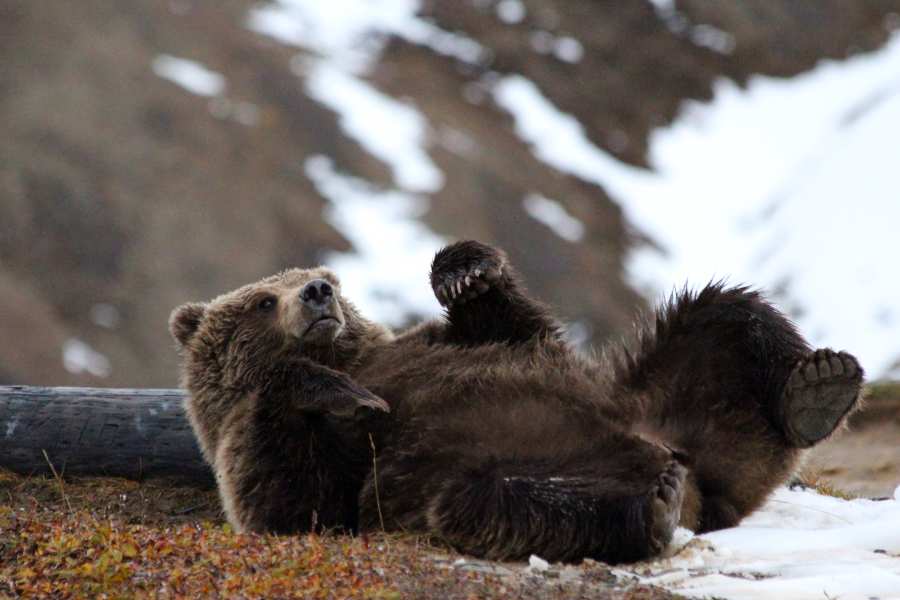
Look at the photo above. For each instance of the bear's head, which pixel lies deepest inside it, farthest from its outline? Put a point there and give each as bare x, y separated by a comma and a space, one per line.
231, 341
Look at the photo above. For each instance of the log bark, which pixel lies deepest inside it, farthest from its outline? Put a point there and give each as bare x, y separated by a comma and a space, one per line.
132, 433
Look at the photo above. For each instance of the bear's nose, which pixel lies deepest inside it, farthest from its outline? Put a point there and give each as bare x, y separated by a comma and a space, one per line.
316, 292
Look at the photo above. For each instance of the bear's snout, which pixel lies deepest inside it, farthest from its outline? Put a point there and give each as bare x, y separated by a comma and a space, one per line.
316, 293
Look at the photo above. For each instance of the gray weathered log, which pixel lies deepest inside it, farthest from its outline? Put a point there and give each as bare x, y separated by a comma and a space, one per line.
97, 431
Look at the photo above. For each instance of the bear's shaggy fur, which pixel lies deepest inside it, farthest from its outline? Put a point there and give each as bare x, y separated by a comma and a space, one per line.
498, 437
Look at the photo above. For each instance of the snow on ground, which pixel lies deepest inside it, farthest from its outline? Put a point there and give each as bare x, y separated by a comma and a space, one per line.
511, 11
555, 216
702, 34
352, 33
799, 545
790, 185
189, 74
78, 357
393, 250
364, 114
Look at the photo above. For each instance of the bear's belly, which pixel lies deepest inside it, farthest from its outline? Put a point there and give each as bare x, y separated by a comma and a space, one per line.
521, 395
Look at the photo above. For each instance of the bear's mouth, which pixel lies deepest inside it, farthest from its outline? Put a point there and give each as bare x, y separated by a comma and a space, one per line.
320, 328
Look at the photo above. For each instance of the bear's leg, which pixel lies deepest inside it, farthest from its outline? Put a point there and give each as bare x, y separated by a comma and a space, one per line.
618, 504
726, 379
484, 298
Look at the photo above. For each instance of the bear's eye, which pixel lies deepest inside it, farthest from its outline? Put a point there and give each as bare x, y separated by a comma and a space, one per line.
267, 303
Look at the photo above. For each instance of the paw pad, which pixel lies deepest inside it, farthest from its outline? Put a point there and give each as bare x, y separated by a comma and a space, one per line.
821, 390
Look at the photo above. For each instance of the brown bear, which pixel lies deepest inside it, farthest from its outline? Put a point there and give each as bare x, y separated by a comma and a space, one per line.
493, 434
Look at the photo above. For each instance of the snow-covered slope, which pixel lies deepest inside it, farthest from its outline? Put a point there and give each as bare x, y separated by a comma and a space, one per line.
790, 185
799, 545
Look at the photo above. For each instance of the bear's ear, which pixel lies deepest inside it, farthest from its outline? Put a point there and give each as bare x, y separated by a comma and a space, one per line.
185, 320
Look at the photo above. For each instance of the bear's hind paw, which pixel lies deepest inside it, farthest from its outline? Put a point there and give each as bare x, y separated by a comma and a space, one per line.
666, 498
821, 390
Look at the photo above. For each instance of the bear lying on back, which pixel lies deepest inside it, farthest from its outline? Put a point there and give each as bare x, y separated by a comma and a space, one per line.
489, 431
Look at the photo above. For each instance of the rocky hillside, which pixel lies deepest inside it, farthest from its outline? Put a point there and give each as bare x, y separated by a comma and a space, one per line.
124, 191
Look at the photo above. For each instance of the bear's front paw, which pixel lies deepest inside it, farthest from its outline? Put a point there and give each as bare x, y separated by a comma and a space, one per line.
465, 270
666, 498
359, 405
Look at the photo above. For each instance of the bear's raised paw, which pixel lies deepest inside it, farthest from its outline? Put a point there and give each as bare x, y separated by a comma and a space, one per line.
821, 390
464, 271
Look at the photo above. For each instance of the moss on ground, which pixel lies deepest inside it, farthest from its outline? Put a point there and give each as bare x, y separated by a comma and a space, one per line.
112, 538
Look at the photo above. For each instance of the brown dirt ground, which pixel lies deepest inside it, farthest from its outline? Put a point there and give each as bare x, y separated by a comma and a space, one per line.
865, 459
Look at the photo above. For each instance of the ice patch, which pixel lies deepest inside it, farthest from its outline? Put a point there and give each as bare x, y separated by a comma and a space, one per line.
189, 74
387, 274
555, 216
390, 130
78, 357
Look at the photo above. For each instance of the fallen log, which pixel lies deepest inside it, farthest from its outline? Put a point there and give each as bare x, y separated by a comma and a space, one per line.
132, 433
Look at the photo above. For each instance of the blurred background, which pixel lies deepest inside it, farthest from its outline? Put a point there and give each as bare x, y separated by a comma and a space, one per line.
154, 153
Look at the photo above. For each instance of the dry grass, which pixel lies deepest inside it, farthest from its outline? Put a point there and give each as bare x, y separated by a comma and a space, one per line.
814, 479
110, 538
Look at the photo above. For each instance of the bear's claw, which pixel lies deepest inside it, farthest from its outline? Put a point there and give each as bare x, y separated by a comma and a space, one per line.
464, 271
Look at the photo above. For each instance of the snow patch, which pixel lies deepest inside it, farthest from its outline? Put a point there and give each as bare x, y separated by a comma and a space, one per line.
190, 75
713, 38
564, 48
568, 49
353, 32
393, 251
536, 563
78, 357
510, 11
799, 545
555, 216
390, 130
